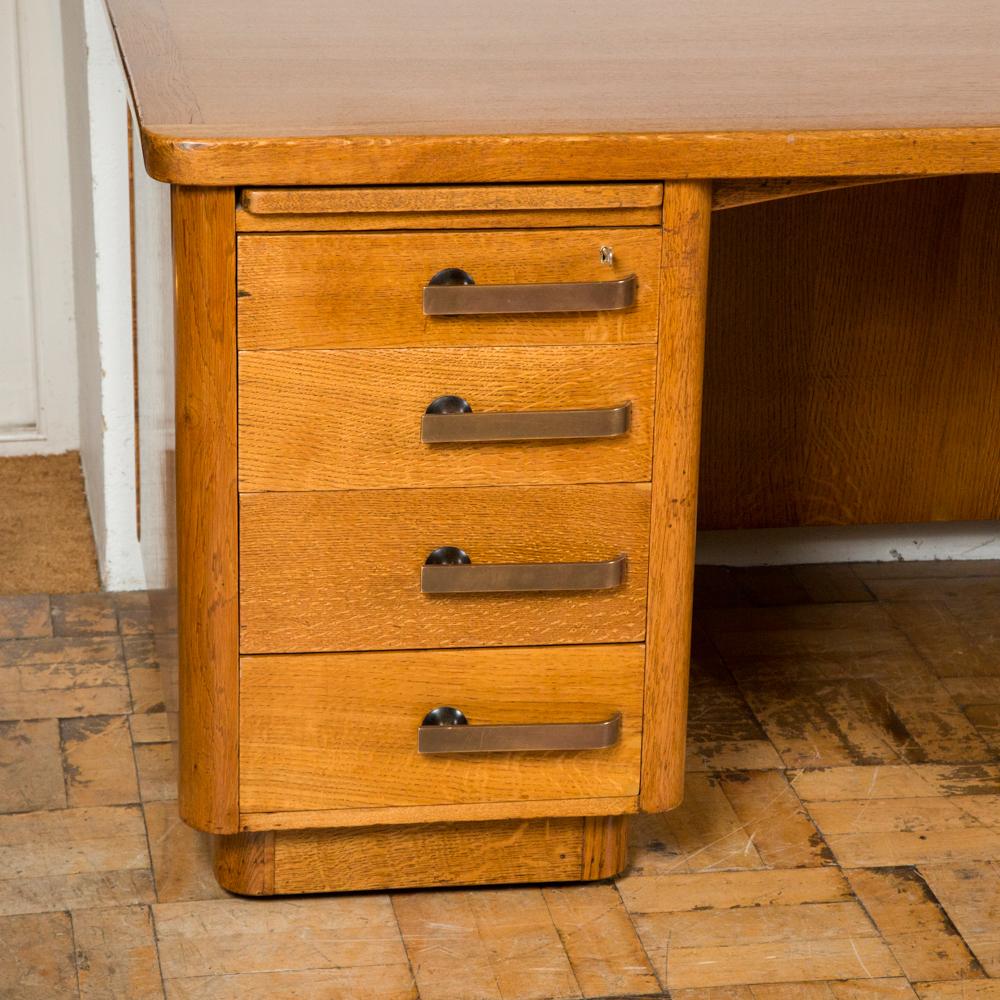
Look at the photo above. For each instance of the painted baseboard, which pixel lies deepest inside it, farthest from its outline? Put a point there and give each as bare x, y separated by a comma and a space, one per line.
853, 543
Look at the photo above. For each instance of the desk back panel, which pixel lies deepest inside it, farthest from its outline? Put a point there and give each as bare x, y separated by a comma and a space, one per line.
853, 358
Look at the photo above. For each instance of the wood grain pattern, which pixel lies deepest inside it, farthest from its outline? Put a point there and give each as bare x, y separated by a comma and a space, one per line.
336, 731
851, 358
609, 218
341, 570
683, 289
244, 863
493, 198
494, 206
427, 856
316, 819
605, 846
319, 420
193, 155
365, 289
752, 191
207, 519
442, 94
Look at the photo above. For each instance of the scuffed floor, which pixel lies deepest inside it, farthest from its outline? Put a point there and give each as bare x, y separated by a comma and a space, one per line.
840, 839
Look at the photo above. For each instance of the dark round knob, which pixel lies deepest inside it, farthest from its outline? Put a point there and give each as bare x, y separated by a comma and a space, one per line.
448, 555
445, 715
449, 404
452, 276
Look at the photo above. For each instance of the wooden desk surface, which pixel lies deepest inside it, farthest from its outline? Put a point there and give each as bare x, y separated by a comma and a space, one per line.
326, 91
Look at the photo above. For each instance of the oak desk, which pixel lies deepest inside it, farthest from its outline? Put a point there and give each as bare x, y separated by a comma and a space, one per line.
442, 290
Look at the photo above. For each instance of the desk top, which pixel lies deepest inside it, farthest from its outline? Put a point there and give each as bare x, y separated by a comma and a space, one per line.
389, 91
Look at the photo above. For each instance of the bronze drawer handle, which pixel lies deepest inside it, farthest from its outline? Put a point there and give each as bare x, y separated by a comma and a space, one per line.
440, 425
449, 570
446, 730
453, 292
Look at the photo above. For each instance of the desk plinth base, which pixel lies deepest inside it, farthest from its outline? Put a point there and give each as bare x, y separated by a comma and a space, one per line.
567, 849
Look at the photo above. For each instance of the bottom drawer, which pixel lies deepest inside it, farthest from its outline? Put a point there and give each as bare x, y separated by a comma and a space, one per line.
340, 730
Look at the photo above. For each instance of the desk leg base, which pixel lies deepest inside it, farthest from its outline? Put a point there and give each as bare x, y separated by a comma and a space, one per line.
568, 849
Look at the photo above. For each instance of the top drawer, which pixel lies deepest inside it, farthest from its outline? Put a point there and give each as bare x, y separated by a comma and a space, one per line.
366, 289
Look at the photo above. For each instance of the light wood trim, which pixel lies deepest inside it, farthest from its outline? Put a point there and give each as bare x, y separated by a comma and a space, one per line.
386, 107
204, 245
340, 570
350, 419
479, 811
189, 154
851, 362
525, 219
752, 191
560, 849
346, 290
478, 198
244, 863
339, 731
687, 209
605, 846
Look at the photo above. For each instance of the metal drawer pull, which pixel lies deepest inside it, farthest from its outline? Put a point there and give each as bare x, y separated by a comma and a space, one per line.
453, 292
439, 423
449, 570
446, 730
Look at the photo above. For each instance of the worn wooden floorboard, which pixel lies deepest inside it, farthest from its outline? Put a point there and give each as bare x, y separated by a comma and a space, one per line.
839, 840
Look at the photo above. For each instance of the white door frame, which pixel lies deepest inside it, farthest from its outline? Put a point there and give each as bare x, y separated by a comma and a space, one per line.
45, 157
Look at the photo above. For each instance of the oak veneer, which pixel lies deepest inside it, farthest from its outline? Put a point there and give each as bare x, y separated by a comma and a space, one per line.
852, 371
339, 731
493, 198
442, 854
312, 819
562, 218
573, 157
687, 210
244, 863
204, 244
316, 94
605, 846
481, 206
321, 420
340, 570
366, 289
743, 191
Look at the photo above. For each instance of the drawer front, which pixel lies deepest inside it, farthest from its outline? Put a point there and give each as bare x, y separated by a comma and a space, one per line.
367, 289
353, 419
344, 570
330, 731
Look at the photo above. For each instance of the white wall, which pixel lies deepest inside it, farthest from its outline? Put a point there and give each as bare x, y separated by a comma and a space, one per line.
855, 543
97, 117
155, 329
38, 374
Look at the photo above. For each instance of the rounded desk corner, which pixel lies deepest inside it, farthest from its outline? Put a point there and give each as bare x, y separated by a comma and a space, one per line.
243, 863
661, 801
605, 847
173, 159
193, 813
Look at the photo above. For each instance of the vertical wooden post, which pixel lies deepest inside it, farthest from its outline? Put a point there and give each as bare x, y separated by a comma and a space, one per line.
204, 242
687, 212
